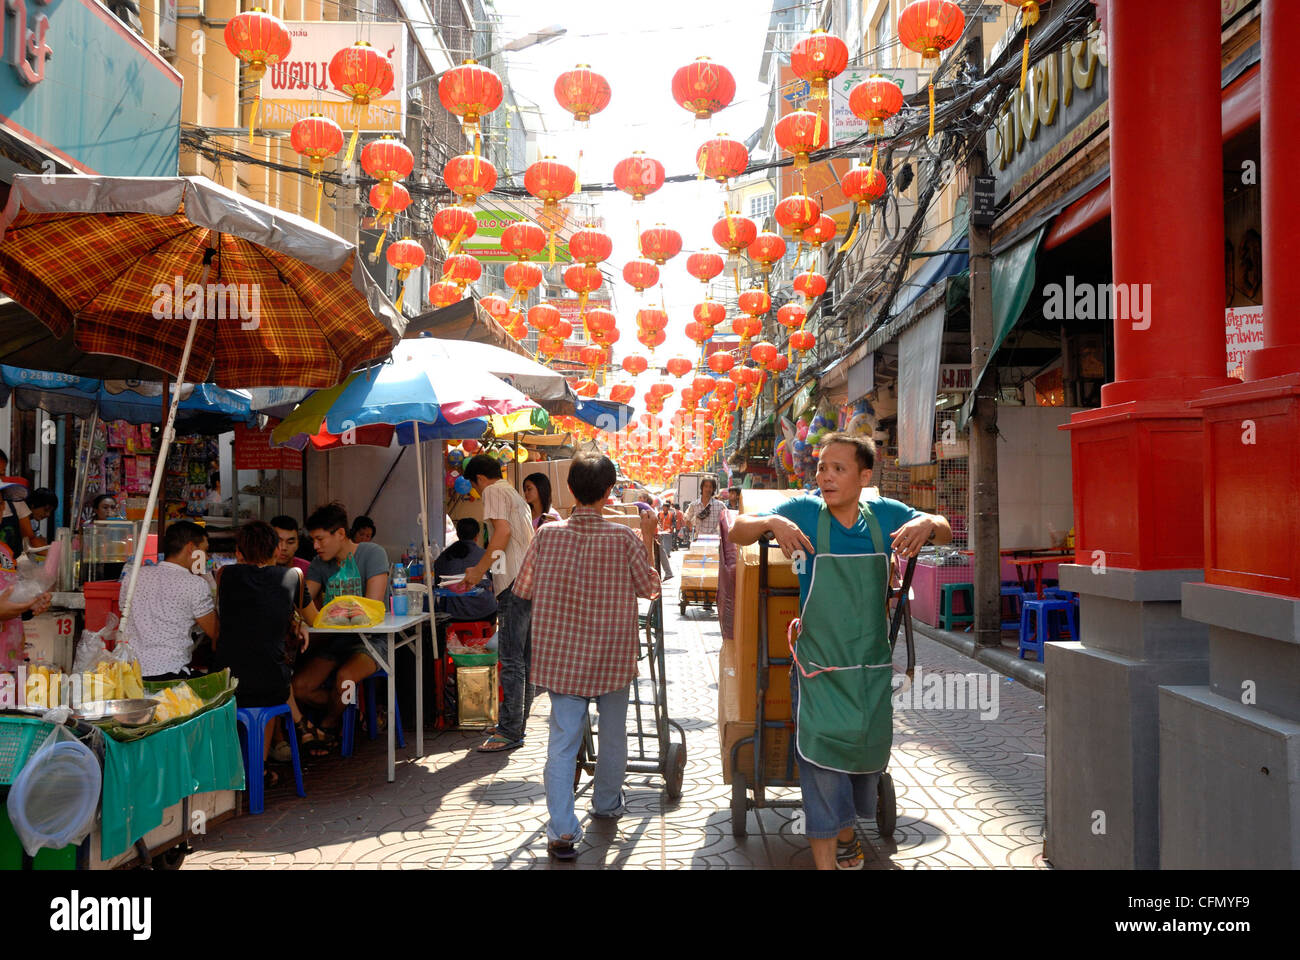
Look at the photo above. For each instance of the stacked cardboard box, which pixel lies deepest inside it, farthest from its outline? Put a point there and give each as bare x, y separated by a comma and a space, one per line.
699, 571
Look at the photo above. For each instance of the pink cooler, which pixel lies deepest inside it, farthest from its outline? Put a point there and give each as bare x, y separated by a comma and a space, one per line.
926, 584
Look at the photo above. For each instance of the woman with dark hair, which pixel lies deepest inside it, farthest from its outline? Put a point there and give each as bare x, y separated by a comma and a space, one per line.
257, 602
537, 493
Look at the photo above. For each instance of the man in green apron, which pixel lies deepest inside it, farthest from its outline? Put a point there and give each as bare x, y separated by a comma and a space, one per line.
842, 682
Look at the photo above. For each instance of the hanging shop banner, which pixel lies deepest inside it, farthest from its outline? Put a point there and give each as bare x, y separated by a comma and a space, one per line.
1245, 328
253, 451
844, 125
821, 181
485, 245
918, 377
84, 89
300, 85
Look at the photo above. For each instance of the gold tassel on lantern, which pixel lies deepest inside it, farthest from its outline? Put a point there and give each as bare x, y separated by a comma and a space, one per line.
931, 133
853, 235
704, 162
356, 134
401, 293
379, 218
455, 242
320, 191
875, 155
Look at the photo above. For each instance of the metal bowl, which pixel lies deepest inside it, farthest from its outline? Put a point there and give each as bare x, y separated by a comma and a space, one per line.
130, 713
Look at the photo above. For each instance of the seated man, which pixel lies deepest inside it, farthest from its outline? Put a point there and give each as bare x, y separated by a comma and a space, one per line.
363, 530
461, 556
286, 551
341, 568
170, 598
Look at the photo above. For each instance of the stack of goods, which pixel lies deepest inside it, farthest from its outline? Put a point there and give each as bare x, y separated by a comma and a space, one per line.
700, 567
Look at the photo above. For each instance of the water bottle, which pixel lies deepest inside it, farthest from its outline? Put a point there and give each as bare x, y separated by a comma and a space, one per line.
399, 590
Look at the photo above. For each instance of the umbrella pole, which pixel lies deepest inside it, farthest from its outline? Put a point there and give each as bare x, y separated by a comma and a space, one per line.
84, 450
160, 466
428, 589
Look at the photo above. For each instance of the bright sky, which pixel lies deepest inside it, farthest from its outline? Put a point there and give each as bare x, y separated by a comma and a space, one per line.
637, 47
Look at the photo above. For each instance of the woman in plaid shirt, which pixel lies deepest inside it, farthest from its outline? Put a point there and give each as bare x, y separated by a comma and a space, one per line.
584, 575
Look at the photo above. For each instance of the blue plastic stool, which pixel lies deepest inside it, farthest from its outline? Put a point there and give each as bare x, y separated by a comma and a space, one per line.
946, 616
1043, 629
1017, 595
372, 716
253, 720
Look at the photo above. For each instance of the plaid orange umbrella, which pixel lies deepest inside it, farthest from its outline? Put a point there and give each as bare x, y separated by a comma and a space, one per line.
184, 275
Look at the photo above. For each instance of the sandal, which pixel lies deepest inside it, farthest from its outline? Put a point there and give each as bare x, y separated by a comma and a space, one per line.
498, 743
849, 856
270, 779
562, 849
316, 741
281, 752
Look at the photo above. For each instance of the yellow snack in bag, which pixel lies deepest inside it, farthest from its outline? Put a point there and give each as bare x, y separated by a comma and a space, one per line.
350, 613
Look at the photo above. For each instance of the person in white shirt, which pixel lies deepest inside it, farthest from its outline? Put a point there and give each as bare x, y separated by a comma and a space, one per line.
511, 522
704, 513
170, 598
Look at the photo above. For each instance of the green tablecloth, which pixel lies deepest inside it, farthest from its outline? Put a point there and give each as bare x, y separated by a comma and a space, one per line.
145, 777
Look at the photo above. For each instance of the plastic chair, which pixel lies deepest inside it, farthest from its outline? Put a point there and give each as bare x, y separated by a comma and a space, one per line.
464, 632
1043, 628
1017, 596
946, 615
351, 712
253, 720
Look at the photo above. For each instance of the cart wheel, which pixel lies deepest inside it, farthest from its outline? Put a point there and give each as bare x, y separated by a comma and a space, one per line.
886, 806
739, 804
171, 859
674, 770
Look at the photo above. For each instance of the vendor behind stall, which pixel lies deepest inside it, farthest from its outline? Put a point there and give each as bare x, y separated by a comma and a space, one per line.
170, 598
18, 517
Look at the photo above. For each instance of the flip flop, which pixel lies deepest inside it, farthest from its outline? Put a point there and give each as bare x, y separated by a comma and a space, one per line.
849, 856
562, 849
499, 744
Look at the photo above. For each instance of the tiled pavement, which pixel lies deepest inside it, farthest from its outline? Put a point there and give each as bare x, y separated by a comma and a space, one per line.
970, 793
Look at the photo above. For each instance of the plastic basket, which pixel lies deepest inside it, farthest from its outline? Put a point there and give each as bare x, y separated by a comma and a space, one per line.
18, 737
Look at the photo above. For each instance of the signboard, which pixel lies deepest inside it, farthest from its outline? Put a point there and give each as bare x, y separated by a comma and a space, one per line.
486, 242
954, 377
1245, 329
983, 206
112, 106
844, 125
820, 180
290, 89
253, 451
1063, 104
167, 23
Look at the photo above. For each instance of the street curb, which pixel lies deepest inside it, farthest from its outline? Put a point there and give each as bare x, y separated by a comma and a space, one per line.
1028, 672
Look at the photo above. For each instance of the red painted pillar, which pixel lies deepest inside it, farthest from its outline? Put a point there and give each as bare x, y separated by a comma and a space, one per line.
1279, 147
1138, 460
1252, 429
1166, 182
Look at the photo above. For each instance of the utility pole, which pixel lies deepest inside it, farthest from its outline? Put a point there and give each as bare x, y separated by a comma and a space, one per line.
983, 512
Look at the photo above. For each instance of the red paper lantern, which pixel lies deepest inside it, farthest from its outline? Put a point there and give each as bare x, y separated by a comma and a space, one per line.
875, 100
823, 231
388, 199
791, 316
721, 362
755, 302
660, 244
590, 246
698, 332
582, 279
763, 352
651, 338
454, 224
605, 338
469, 177
766, 250
724, 390
523, 240
498, 308
635, 364
802, 340
796, 213
779, 364
582, 92
258, 40
405, 256
638, 175
704, 87
702, 386
549, 346
543, 317
863, 185
709, 312
811, 285
561, 330
704, 266
444, 293
622, 392
640, 274
746, 327
661, 389
651, 318
592, 356
586, 388
361, 74
734, 233
522, 276
930, 27
722, 158
470, 91
678, 366
800, 133
599, 320
387, 159
462, 270
819, 59
550, 181
688, 403
315, 137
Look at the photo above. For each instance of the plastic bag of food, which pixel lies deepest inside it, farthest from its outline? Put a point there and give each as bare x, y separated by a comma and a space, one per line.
53, 799
125, 668
93, 645
178, 700
36, 578
44, 685
349, 612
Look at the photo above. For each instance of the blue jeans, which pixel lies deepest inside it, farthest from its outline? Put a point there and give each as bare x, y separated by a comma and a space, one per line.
567, 713
514, 656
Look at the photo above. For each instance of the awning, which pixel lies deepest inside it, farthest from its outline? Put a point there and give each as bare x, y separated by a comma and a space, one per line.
1014, 275
1092, 209
464, 320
